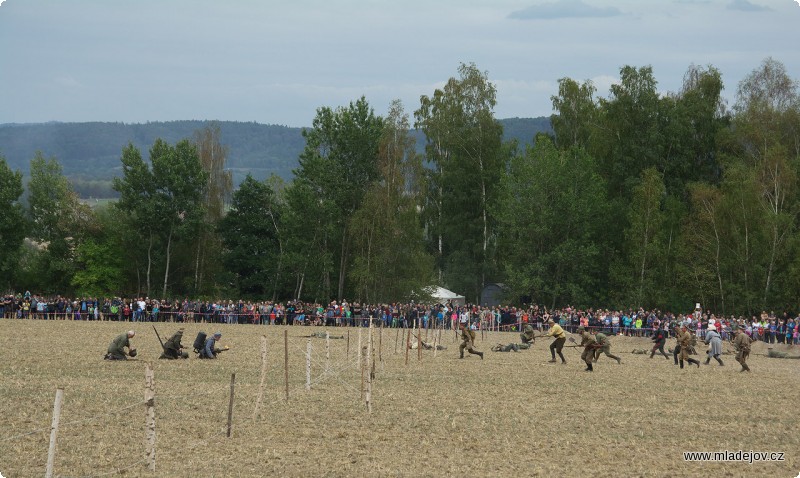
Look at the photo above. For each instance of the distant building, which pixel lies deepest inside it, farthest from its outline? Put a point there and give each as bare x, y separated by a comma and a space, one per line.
493, 295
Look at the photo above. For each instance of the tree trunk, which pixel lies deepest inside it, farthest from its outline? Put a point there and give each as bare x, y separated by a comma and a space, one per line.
343, 264
149, 261
166, 270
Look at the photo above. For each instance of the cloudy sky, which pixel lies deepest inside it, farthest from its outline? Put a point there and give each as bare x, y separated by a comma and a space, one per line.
277, 61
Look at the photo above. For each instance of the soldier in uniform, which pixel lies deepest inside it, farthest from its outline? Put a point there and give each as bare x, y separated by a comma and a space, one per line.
560, 337
659, 339
528, 335
685, 342
468, 338
604, 346
116, 350
588, 343
715, 341
742, 345
173, 348
210, 349
505, 348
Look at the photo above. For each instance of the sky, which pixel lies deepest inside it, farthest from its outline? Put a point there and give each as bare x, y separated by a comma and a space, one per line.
276, 62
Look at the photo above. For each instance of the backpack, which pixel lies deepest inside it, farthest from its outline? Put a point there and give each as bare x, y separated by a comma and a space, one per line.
199, 342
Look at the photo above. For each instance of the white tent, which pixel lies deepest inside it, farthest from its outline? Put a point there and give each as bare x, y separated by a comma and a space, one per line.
443, 295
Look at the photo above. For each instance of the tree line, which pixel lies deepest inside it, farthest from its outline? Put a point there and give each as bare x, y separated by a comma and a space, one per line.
635, 199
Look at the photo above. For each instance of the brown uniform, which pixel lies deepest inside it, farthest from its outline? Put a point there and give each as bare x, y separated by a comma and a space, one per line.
588, 343
742, 345
685, 343
468, 342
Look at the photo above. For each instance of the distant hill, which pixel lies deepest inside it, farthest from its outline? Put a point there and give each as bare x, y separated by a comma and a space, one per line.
90, 152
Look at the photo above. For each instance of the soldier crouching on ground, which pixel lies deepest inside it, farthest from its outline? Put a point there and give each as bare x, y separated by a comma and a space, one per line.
210, 350
604, 346
468, 338
528, 335
116, 350
173, 348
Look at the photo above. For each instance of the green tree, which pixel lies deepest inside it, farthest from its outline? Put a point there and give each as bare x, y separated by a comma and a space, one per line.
337, 166
576, 113
58, 221
250, 239
216, 193
552, 227
164, 203
390, 258
767, 124
464, 146
12, 222
638, 280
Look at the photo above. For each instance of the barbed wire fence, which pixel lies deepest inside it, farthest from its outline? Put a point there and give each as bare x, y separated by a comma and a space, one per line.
342, 372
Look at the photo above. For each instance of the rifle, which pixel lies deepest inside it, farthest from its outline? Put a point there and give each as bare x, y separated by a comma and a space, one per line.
159, 338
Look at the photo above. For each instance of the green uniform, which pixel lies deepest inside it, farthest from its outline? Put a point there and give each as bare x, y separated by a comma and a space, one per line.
742, 345
116, 350
605, 343
173, 348
468, 342
505, 348
588, 343
527, 335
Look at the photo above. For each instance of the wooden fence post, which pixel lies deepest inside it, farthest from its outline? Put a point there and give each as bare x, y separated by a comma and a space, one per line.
263, 375
286, 361
150, 417
369, 369
327, 352
51, 452
230, 403
308, 365
359, 342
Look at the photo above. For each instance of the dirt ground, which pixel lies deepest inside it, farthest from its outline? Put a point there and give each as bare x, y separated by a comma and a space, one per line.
510, 414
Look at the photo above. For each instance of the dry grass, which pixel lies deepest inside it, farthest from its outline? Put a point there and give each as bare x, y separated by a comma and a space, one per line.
510, 414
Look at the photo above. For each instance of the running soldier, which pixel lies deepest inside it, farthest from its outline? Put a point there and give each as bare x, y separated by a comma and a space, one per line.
715, 341
685, 340
468, 337
588, 343
604, 346
560, 337
659, 339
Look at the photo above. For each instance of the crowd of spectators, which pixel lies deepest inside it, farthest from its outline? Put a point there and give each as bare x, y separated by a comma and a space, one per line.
766, 327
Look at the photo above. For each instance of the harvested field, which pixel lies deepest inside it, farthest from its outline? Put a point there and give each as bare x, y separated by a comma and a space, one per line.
511, 414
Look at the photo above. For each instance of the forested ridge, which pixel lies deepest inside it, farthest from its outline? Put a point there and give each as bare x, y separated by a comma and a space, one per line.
89, 152
637, 199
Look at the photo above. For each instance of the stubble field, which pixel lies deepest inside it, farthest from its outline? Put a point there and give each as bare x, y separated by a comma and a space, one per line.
511, 414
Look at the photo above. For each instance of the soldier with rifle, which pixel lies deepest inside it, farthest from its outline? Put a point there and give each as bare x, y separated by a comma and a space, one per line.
742, 345
589, 345
560, 337
659, 339
172, 348
468, 341
210, 350
685, 342
528, 336
604, 346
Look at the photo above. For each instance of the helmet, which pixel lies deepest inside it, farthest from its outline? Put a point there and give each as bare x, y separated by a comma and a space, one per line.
132, 352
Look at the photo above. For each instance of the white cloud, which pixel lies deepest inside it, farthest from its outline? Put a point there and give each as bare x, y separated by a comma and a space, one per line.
563, 9
745, 6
